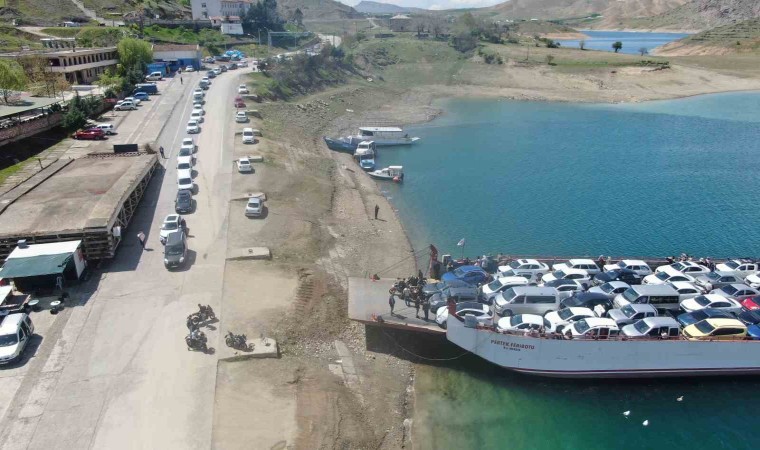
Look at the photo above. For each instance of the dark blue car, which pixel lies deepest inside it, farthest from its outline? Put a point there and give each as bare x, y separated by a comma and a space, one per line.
753, 331
749, 317
697, 316
469, 274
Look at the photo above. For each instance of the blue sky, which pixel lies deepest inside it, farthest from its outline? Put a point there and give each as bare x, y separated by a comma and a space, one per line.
434, 4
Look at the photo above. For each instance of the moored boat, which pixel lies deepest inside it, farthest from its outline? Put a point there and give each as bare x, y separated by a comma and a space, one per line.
386, 135
391, 173
346, 144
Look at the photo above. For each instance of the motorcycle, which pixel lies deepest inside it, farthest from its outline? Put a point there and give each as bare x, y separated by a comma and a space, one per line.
196, 340
237, 341
204, 313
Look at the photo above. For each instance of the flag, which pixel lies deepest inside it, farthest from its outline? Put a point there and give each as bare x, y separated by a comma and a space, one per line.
460, 243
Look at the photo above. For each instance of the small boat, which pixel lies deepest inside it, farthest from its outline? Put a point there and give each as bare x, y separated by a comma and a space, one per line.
346, 144
385, 136
392, 173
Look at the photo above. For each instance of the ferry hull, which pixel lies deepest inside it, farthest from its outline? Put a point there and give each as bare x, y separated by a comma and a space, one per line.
580, 358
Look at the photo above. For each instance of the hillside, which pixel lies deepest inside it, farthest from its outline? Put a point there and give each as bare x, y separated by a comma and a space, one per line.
699, 15
743, 37
370, 7
317, 9
562, 9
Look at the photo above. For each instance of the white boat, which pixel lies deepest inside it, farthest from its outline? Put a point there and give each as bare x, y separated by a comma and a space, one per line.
386, 135
609, 357
392, 173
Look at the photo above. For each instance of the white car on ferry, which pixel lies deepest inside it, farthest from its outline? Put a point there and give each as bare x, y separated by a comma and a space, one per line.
481, 312
527, 268
686, 290
499, 285
636, 265
753, 280
667, 274
741, 268
582, 264
687, 267
712, 301
524, 323
593, 327
579, 275
564, 317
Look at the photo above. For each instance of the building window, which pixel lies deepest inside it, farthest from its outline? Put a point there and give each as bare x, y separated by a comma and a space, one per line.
203, 5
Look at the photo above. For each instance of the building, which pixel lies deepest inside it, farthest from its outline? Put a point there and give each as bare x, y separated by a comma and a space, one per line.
178, 55
400, 22
205, 9
79, 65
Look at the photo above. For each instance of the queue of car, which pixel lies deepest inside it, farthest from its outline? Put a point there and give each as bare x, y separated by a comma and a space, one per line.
627, 298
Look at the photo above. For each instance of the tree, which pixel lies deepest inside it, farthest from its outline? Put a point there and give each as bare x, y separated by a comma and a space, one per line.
464, 41
298, 17
550, 60
110, 81
437, 26
643, 51
582, 44
134, 54
12, 79
617, 46
262, 16
74, 119
420, 28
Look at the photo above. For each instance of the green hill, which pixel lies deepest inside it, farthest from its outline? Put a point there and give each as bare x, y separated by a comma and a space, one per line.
743, 37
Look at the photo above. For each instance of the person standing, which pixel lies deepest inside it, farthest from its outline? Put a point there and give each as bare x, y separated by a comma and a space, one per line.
417, 306
392, 302
426, 309
141, 238
377, 210
406, 294
161, 150
180, 81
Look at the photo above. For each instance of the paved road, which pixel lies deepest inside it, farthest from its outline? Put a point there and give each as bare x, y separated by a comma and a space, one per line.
114, 372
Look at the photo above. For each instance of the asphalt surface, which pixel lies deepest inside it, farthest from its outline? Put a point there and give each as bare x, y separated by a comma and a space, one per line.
113, 372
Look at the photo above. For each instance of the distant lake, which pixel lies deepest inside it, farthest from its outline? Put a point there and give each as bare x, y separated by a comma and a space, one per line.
632, 41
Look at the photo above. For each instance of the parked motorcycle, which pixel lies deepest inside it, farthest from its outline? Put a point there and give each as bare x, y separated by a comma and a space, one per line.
197, 340
237, 341
204, 313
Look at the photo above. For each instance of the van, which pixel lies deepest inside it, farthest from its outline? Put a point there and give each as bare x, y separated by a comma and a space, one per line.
653, 327
175, 250
148, 88
155, 76
15, 333
526, 300
661, 296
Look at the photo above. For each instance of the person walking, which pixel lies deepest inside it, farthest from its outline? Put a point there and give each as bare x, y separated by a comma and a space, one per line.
417, 306
180, 81
392, 302
141, 238
426, 309
161, 150
377, 210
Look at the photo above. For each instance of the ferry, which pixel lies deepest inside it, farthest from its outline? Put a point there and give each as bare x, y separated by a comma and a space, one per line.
386, 136
604, 356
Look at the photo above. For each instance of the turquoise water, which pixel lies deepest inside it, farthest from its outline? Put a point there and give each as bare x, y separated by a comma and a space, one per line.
654, 178
647, 179
632, 40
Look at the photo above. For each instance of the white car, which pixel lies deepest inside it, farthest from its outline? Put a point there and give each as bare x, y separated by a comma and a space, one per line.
479, 310
172, 223
190, 143
242, 89
189, 69
184, 163
206, 80
579, 275
199, 92
248, 136
523, 267
197, 106
741, 268
593, 327
124, 106
217, 71
610, 288
499, 285
713, 301
193, 127
196, 116
185, 180
565, 287
753, 280
241, 117
564, 317
584, 264
686, 290
186, 152
107, 128
254, 207
524, 323
244, 165
16, 332
667, 275
154, 76
136, 101
636, 265
687, 267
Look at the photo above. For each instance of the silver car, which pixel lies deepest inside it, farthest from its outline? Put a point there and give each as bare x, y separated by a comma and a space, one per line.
629, 314
715, 280
736, 291
611, 288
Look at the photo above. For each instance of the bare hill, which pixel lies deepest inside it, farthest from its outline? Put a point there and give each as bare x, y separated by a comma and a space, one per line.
563, 9
370, 7
742, 37
699, 15
317, 9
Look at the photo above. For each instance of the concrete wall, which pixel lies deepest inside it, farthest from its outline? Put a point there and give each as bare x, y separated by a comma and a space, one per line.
27, 129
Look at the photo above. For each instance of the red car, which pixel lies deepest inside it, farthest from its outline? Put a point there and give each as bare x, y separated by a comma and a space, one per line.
90, 133
238, 102
751, 303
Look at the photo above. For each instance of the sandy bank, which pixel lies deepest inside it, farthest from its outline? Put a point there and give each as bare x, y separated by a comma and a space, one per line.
565, 36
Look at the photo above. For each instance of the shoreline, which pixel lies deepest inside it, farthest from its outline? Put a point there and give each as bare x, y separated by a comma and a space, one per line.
644, 30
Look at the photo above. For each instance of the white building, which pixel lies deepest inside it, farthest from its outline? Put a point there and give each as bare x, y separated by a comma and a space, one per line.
178, 55
205, 9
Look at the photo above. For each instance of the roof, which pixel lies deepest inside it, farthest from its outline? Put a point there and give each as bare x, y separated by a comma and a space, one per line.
176, 47
661, 321
35, 266
10, 323
637, 262
52, 248
581, 261
600, 322
29, 103
724, 322
654, 289
381, 129
641, 307
401, 16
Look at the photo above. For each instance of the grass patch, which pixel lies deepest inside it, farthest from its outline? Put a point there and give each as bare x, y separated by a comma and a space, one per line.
8, 171
62, 32
12, 39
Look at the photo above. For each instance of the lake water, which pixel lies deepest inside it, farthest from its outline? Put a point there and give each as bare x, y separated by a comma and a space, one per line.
632, 40
656, 178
